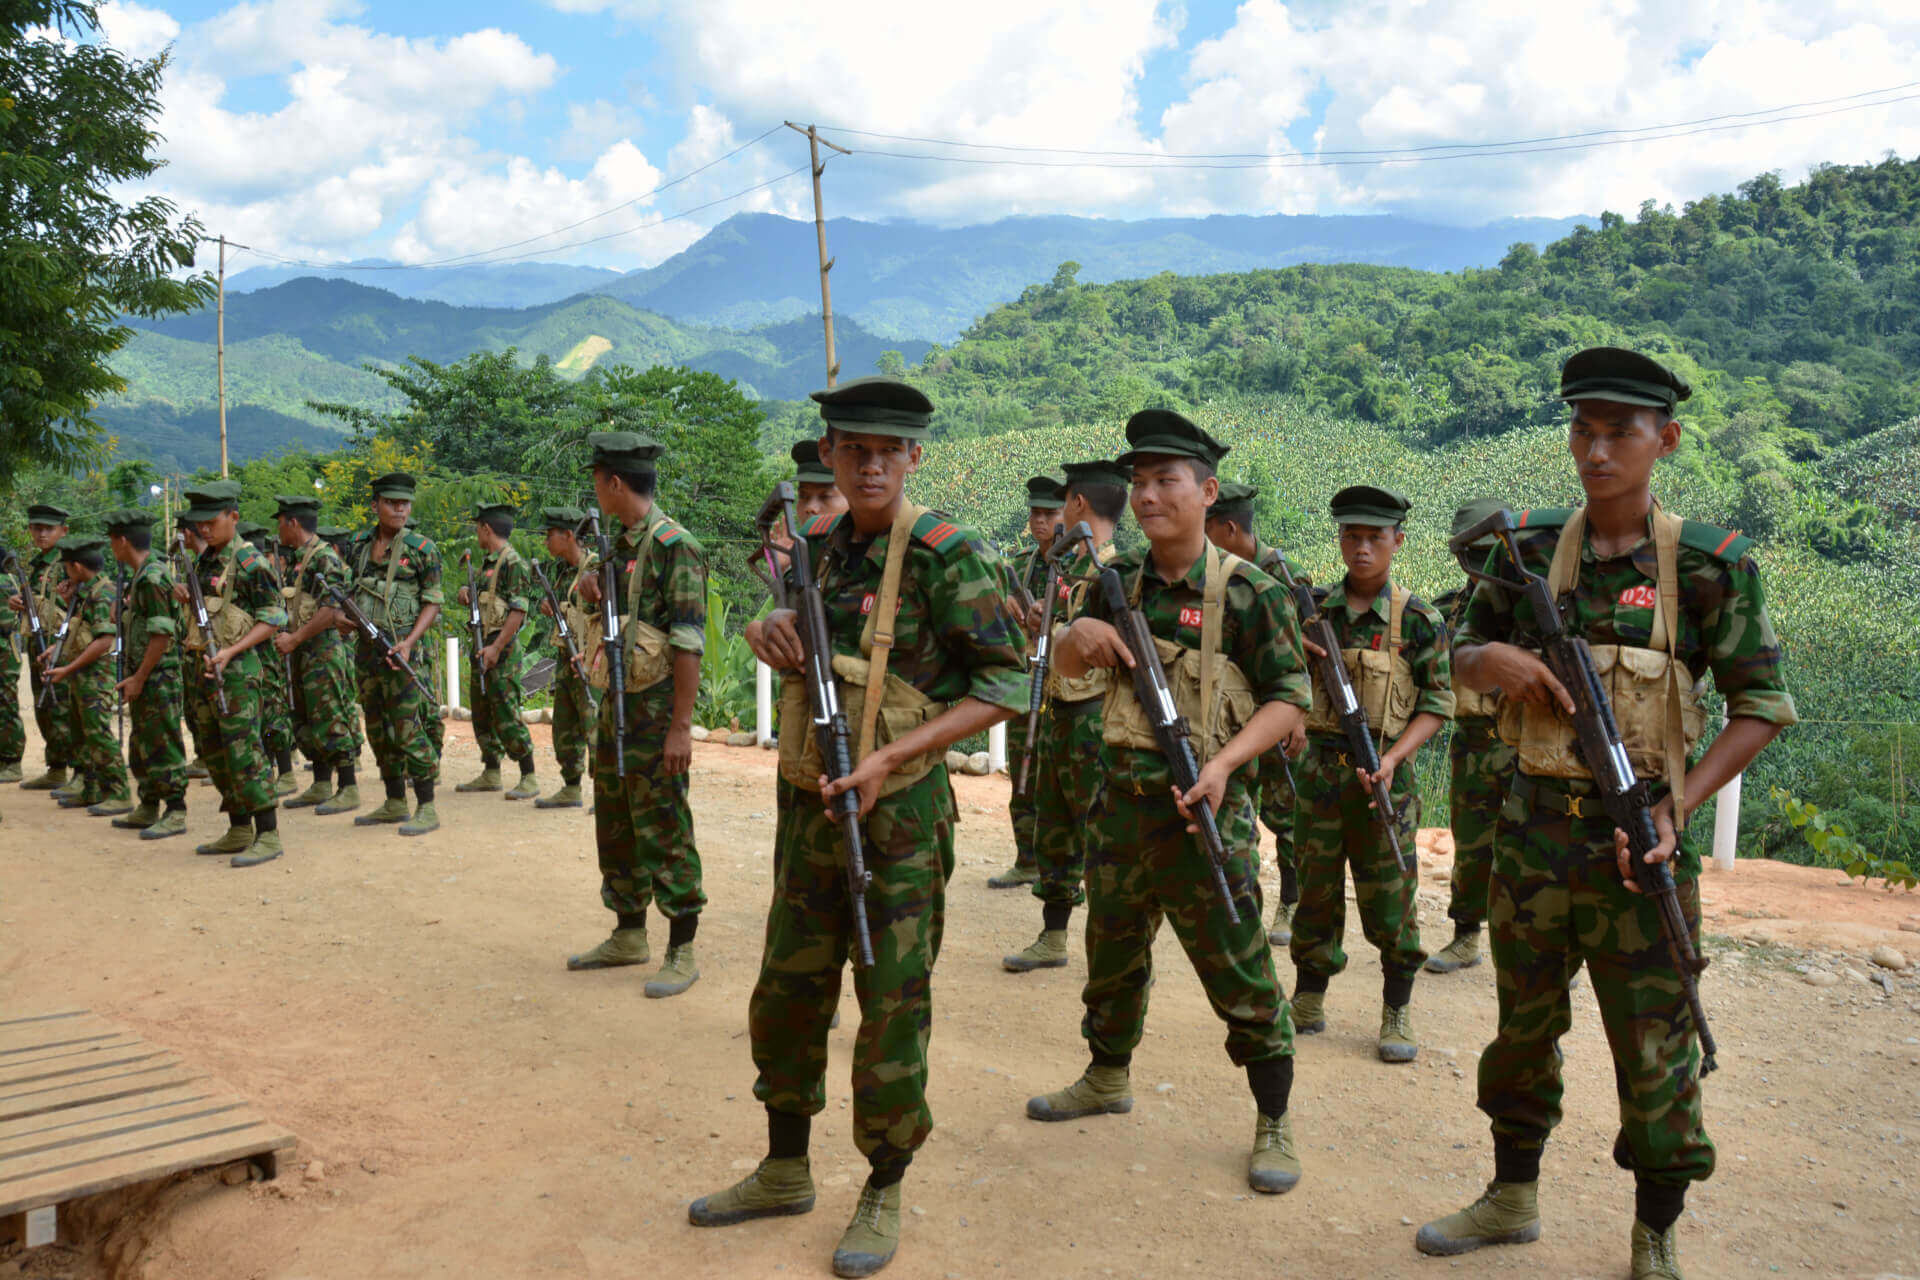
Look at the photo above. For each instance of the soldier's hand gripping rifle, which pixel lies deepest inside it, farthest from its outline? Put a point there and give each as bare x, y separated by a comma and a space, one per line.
476, 634
1625, 798
569, 644
37, 642
610, 640
829, 719
350, 609
1170, 728
1043, 649
1361, 748
204, 625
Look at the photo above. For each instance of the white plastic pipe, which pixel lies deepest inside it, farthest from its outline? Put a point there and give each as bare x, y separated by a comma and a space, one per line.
762, 702
1726, 824
453, 673
997, 747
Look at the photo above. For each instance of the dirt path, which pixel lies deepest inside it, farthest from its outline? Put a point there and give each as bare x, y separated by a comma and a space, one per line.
472, 1109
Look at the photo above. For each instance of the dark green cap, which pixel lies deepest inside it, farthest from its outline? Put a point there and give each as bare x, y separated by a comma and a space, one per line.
568, 518
1235, 503
808, 467
209, 498
333, 533
1044, 493
1625, 377
1099, 471
128, 518
46, 513
295, 504
1370, 504
877, 406
1472, 514
75, 545
251, 530
482, 509
395, 484
622, 451
1165, 433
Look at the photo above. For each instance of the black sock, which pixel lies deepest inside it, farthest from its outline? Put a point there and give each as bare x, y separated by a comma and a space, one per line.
634, 920
345, 774
265, 820
1306, 982
1396, 989
889, 1166
323, 773
1121, 1060
1271, 1080
1658, 1204
1514, 1163
787, 1134
526, 765
1465, 929
680, 929
571, 780
396, 788
1055, 915
177, 805
286, 760
424, 790
1289, 884
489, 762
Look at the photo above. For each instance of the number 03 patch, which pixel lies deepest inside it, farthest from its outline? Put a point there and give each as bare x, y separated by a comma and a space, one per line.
1641, 597
1190, 617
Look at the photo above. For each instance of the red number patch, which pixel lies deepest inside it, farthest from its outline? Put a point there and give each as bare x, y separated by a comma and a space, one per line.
1190, 617
1641, 597
866, 604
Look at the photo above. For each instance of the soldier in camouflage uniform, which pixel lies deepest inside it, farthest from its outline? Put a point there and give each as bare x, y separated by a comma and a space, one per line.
396, 577
322, 660
642, 823
179, 560
954, 669
1686, 600
505, 585
1066, 771
1230, 527
276, 697
83, 664
1144, 862
1395, 648
573, 704
13, 732
245, 608
46, 525
1045, 499
149, 628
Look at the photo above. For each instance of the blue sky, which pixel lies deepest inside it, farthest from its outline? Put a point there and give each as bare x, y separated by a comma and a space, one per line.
334, 129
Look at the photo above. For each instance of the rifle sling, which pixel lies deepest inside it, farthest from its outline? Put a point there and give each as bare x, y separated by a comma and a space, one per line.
876, 641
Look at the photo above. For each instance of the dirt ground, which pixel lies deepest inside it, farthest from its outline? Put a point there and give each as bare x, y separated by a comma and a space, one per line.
467, 1107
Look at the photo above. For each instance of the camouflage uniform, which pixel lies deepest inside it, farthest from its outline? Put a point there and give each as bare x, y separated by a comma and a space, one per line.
324, 717
1557, 898
642, 823
54, 717
13, 732
1022, 808
1141, 863
1067, 772
573, 704
497, 726
1482, 767
1335, 829
90, 696
954, 639
402, 726
155, 751
240, 767
276, 693
1276, 798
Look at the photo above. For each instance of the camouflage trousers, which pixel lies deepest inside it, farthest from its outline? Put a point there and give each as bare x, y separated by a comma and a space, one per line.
324, 719
90, 727
276, 702
1333, 830
1066, 782
909, 850
1557, 900
54, 720
642, 823
230, 743
1276, 800
403, 728
1482, 767
13, 732
1143, 867
1020, 807
155, 752
497, 726
573, 717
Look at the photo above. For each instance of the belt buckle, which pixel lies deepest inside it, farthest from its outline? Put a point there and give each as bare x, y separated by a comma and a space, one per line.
1344, 762
1573, 807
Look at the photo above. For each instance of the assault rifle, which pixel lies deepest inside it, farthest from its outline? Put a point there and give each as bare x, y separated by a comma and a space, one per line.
204, 625
1043, 646
1332, 670
829, 719
568, 643
1170, 729
610, 639
477, 635
37, 642
350, 609
1625, 798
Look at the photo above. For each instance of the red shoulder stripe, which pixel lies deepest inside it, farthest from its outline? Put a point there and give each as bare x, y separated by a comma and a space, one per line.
1521, 523
1727, 542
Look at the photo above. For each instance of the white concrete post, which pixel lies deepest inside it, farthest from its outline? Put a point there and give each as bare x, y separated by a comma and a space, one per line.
997, 747
1726, 820
453, 673
762, 702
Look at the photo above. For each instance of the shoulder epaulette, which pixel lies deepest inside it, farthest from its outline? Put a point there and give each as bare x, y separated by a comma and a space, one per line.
1542, 517
938, 532
1722, 544
821, 526
416, 541
669, 533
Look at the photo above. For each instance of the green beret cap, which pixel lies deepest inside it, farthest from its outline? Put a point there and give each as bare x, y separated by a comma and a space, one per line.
877, 406
1166, 433
622, 450
128, 518
1472, 514
251, 530
1045, 493
808, 467
333, 533
1625, 377
295, 504
209, 498
1370, 504
394, 484
75, 545
1099, 471
481, 509
47, 513
1233, 493
568, 518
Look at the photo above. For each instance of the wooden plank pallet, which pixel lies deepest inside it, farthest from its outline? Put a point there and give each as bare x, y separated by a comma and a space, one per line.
86, 1106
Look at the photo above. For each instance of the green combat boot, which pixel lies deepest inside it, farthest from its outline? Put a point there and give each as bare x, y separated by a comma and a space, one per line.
676, 974
1462, 953
197, 768
424, 819
345, 800
265, 848
1272, 1167
622, 947
528, 788
1656, 1256
392, 809
286, 784
55, 777
777, 1189
1309, 1012
171, 823
1505, 1213
868, 1243
111, 805
318, 791
1101, 1091
1048, 951
489, 780
72, 789
1014, 876
1396, 1034
81, 797
140, 819
567, 797
1282, 932
10, 771
239, 839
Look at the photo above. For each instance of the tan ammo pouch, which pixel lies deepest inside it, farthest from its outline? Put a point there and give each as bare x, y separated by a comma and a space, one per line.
80, 635
1468, 703
1655, 700
648, 657
1197, 678
493, 605
1382, 680
395, 606
301, 606
1094, 683
229, 621
880, 707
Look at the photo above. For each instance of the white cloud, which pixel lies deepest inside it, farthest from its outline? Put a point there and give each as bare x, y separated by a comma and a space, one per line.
135, 30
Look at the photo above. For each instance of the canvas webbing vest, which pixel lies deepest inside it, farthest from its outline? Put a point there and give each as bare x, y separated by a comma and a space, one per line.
493, 605
1382, 680
229, 621
644, 646
1095, 681
573, 605
301, 604
395, 605
80, 634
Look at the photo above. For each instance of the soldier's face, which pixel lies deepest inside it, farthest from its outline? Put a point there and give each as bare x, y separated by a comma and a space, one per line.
290, 531
561, 543
217, 532
1368, 550
392, 513
818, 500
1168, 500
76, 572
122, 549
872, 470
45, 535
1230, 537
1040, 522
1615, 445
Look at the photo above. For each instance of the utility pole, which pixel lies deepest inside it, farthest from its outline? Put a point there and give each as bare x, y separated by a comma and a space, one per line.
220, 353
820, 233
